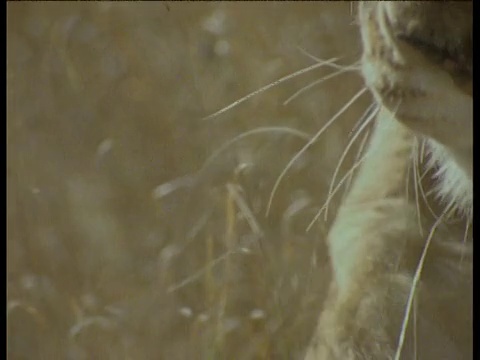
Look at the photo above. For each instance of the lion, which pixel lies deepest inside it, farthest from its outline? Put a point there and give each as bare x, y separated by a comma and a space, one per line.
401, 286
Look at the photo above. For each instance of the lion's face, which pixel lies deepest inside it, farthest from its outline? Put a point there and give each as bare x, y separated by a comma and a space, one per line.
418, 63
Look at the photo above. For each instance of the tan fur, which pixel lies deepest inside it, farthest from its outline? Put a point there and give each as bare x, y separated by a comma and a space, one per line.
417, 63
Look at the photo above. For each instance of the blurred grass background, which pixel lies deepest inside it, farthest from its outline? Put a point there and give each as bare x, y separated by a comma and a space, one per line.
132, 232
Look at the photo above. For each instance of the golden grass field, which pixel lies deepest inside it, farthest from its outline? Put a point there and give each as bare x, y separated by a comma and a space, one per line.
137, 229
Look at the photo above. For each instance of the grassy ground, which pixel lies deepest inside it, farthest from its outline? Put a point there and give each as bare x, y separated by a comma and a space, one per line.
134, 232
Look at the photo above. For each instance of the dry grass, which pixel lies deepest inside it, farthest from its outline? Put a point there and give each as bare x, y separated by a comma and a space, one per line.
123, 241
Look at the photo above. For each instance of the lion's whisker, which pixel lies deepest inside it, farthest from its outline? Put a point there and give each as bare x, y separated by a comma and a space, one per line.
415, 281
416, 184
355, 66
269, 86
360, 152
464, 241
366, 122
338, 187
310, 142
315, 83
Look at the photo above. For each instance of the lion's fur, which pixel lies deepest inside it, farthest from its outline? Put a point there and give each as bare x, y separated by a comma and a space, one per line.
376, 243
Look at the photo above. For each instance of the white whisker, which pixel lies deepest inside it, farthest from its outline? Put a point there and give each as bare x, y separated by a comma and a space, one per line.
416, 279
415, 309
464, 241
365, 114
422, 151
354, 66
269, 86
407, 180
310, 142
363, 126
360, 152
424, 197
416, 184
315, 83
338, 187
